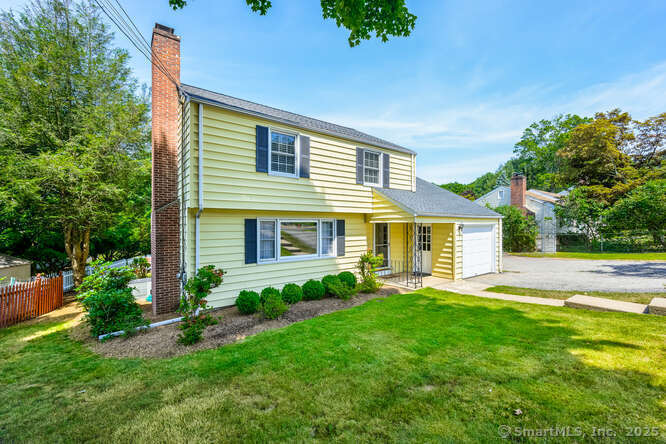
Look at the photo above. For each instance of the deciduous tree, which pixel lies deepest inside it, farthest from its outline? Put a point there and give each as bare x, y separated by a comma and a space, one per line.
384, 18
72, 126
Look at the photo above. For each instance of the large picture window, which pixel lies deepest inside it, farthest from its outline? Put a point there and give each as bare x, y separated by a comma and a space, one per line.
294, 239
298, 239
371, 167
283, 153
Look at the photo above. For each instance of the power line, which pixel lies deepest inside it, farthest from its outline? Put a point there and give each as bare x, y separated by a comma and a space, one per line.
131, 31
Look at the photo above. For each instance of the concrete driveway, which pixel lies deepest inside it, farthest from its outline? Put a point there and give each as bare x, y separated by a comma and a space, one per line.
580, 275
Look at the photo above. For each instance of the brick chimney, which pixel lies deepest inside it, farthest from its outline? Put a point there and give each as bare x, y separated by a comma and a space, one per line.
518, 189
165, 220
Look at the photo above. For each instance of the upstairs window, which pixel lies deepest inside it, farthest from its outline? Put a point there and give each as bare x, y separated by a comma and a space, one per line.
372, 168
500, 194
283, 154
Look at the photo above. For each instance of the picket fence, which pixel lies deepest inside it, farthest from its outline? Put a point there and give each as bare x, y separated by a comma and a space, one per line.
26, 300
68, 276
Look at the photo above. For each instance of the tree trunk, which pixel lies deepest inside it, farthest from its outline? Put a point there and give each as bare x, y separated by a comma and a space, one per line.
77, 245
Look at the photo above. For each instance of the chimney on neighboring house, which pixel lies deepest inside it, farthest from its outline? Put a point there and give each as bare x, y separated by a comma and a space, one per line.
165, 216
518, 190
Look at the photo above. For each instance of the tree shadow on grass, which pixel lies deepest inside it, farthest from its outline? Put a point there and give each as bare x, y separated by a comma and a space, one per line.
411, 367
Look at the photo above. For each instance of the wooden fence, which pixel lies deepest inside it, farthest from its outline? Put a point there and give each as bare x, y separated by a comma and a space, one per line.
26, 300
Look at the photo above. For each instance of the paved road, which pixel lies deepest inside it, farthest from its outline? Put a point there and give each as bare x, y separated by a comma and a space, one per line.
576, 274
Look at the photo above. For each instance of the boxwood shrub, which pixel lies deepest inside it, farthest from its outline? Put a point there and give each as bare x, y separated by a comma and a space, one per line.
267, 291
273, 306
335, 287
348, 278
248, 302
292, 293
313, 290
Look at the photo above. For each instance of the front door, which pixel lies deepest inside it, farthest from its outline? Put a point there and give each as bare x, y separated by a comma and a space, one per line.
425, 245
382, 242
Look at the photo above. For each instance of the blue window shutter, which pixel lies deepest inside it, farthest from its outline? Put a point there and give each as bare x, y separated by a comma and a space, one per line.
304, 143
262, 149
359, 165
250, 241
386, 166
340, 236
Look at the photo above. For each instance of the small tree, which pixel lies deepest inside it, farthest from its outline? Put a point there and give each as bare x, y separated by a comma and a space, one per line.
643, 209
367, 264
519, 232
194, 306
582, 212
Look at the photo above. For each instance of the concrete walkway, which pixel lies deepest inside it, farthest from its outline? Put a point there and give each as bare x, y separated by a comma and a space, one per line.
478, 289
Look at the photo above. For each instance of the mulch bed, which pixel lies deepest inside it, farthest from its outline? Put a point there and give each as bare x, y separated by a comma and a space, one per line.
161, 342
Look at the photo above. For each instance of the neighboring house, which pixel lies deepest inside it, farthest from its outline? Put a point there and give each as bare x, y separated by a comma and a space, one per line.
13, 267
274, 197
538, 203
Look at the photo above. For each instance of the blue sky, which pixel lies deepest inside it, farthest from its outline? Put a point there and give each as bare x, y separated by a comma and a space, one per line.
459, 91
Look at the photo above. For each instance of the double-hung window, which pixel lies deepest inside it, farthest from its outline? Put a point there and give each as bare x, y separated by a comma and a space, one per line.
267, 230
327, 236
372, 168
286, 239
283, 155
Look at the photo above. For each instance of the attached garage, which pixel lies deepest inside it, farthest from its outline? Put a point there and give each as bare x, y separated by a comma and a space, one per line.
478, 250
434, 232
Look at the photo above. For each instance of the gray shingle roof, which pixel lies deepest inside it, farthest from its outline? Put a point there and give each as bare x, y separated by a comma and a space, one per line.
278, 115
431, 200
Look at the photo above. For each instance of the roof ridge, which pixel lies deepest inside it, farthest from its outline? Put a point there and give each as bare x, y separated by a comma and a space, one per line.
377, 140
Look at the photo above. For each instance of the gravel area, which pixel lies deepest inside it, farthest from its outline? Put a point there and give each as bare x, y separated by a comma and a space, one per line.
579, 275
161, 342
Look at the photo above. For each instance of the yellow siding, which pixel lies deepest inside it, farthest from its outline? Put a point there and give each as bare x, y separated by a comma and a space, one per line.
397, 243
231, 180
458, 247
222, 245
383, 210
443, 251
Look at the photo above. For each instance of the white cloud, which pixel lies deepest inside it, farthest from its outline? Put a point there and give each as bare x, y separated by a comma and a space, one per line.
497, 123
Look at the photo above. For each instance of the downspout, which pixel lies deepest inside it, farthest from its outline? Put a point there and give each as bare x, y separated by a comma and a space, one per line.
197, 223
184, 103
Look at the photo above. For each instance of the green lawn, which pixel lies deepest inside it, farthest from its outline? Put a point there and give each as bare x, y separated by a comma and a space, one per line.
640, 298
599, 256
425, 366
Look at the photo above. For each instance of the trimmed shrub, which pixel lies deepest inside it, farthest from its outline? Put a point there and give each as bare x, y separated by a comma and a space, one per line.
273, 306
329, 281
112, 310
335, 287
313, 290
247, 302
267, 291
292, 293
348, 278
108, 301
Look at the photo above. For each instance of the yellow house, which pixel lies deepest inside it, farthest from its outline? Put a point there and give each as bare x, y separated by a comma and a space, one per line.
274, 197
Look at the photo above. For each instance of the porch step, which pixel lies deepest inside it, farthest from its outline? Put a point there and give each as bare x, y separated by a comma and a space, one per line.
657, 306
601, 304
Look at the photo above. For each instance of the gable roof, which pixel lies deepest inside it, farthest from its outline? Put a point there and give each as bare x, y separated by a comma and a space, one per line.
543, 196
285, 117
11, 261
431, 200
540, 195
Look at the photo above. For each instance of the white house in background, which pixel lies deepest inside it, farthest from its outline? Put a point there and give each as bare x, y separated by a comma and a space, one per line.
540, 204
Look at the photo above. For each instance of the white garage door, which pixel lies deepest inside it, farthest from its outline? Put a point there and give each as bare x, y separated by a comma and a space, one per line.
478, 250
